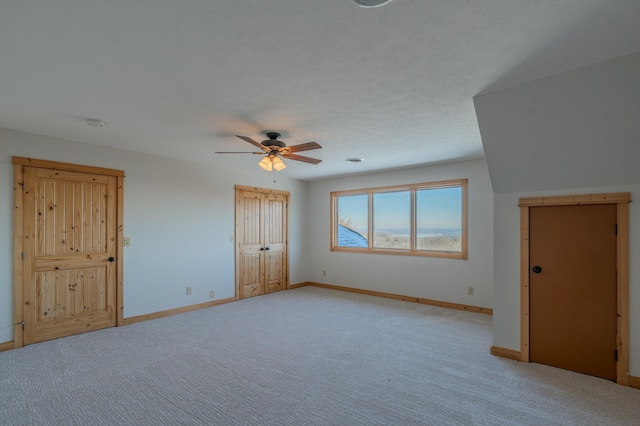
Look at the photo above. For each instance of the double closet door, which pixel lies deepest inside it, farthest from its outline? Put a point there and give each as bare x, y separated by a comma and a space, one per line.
261, 241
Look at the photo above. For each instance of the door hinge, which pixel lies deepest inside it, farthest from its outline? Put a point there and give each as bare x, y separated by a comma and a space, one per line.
22, 255
616, 229
616, 355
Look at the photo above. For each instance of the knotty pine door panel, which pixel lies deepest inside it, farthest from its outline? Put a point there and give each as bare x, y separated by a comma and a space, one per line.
275, 243
70, 237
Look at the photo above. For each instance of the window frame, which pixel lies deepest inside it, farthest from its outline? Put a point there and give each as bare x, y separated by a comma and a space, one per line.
412, 188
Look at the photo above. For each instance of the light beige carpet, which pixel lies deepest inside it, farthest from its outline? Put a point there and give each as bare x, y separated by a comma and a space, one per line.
308, 356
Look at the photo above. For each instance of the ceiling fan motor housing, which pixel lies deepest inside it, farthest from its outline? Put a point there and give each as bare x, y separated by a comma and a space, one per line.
273, 140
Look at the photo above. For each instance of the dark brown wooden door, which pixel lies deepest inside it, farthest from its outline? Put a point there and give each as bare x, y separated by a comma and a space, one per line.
573, 293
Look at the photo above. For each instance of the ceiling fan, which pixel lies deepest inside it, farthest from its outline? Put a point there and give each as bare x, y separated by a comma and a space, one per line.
273, 149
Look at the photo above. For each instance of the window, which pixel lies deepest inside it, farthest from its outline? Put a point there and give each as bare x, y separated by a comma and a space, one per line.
353, 222
426, 219
391, 220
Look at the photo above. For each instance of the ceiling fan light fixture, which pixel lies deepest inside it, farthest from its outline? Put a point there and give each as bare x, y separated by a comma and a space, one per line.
266, 164
278, 164
370, 3
270, 163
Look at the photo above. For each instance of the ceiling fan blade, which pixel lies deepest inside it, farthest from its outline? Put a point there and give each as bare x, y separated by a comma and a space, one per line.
252, 142
304, 147
301, 158
239, 152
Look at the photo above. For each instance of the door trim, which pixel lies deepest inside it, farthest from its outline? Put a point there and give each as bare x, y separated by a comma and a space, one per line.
18, 233
622, 200
238, 223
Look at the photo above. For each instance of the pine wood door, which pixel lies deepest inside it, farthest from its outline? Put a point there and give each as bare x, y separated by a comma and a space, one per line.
70, 230
275, 261
261, 233
251, 244
573, 288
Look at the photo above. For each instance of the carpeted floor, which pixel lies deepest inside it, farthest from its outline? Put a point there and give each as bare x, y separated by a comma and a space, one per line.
308, 356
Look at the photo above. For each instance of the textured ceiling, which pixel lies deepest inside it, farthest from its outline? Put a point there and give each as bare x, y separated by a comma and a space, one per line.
393, 85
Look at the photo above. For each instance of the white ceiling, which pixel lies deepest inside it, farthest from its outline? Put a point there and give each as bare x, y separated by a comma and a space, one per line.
393, 85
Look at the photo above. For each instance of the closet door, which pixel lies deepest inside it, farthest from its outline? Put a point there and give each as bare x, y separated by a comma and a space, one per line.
275, 253
572, 296
261, 241
250, 247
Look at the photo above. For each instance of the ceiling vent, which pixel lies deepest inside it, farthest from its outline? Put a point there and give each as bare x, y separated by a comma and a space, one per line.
370, 3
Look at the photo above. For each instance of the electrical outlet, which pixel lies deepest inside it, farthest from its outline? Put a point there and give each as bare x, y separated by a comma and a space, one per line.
324, 273
127, 241
212, 294
471, 291
188, 291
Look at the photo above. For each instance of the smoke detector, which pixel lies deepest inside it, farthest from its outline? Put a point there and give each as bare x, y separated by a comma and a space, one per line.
94, 122
370, 3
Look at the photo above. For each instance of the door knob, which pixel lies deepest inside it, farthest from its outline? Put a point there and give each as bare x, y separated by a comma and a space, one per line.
112, 259
536, 269
261, 248
267, 248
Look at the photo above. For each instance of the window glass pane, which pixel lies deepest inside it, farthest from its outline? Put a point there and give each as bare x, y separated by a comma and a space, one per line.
353, 221
391, 220
439, 219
